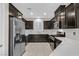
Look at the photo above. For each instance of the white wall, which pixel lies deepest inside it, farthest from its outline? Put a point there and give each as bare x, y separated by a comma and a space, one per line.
4, 27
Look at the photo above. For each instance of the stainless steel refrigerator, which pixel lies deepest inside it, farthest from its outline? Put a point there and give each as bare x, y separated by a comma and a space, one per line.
16, 30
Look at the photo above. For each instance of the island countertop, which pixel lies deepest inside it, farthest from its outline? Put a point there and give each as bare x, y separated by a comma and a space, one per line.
68, 47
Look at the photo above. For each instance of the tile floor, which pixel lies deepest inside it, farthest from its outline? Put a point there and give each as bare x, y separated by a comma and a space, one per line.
37, 49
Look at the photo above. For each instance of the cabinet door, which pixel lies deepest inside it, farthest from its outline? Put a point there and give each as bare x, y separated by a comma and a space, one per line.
70, 16
52, 24
62, 19
47, 24
29, 24
77, 14
58, 21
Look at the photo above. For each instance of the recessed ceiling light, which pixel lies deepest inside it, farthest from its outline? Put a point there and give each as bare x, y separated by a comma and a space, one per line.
45, 13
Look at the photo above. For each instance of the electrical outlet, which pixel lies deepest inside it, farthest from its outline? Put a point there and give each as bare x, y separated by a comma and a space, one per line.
74, 33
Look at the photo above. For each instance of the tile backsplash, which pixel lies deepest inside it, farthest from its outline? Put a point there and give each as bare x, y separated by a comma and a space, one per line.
70, 33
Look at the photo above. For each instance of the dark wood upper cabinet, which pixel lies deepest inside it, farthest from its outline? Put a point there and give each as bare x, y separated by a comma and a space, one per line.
29, 24
62, 19
13, 11
77, 14
47, 24
52, 21
52, 25
59, 9
60, 16
70, 16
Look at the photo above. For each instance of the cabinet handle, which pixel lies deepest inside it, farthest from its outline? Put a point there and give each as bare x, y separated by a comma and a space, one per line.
1, 45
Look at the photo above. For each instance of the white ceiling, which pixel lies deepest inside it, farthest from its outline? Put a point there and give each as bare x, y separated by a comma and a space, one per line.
38, 9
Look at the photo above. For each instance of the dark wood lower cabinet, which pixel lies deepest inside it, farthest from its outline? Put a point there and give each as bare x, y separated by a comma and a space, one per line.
38, 38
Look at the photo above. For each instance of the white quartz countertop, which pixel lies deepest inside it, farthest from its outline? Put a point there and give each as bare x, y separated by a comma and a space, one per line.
68, 47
